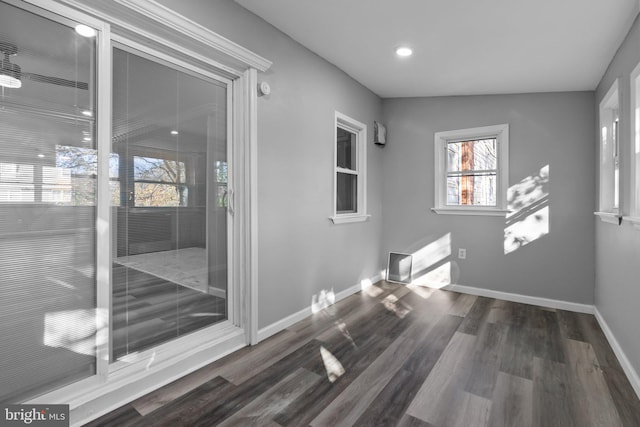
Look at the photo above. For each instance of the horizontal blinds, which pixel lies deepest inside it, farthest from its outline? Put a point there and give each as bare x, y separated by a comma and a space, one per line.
48, 170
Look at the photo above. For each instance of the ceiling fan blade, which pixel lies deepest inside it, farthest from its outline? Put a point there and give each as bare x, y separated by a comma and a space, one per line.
55, 80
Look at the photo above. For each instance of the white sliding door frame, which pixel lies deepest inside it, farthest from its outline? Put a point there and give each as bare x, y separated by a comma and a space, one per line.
117, 383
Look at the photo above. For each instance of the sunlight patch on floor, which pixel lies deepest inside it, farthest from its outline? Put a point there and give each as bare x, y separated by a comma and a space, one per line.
331, 364
396, 306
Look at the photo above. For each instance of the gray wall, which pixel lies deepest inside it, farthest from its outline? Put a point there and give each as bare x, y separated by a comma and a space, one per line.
301, 253
554, 129
618, 247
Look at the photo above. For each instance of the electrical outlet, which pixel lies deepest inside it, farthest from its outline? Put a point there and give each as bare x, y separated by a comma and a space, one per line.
462, 253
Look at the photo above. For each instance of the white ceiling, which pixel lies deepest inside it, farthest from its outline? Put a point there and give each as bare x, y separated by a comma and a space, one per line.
461, 47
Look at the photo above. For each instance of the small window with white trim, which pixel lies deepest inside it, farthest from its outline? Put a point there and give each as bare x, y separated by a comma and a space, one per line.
609, 166
349, 201
472, 170
635, 147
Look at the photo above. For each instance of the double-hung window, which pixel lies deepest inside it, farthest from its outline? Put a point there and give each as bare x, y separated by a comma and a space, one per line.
471, 171
609, 166
350, 202
635, 148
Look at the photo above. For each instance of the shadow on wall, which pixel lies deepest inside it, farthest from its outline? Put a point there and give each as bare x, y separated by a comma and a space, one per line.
528, 218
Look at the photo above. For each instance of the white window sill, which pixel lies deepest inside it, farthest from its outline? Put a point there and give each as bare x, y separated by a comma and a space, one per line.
347, 218
634, 220
609, 217
471, 211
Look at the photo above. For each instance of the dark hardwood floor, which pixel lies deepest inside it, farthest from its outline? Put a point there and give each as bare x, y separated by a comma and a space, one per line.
399, 356
148, 310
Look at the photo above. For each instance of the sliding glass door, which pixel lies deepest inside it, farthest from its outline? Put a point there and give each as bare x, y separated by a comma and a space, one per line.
48, 170
168, 172
117, 220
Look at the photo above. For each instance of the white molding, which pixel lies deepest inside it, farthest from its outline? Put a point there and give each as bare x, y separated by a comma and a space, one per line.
127, 383
104, 295
608, 111
471, 211
224, 54
283, 324
181, 24
294, 318
105, 397
360, 129
634, 146
252, 158
609, 217
525, 299
344, 219
440, 140
628, 368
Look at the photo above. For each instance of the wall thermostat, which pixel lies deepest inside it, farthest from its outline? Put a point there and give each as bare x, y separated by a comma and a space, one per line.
265, 89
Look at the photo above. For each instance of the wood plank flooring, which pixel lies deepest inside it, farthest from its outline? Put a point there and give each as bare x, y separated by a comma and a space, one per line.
400, 356
148, 310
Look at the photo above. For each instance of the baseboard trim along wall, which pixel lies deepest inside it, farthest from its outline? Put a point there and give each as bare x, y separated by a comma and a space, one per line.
316, 304
628, 368
525, 299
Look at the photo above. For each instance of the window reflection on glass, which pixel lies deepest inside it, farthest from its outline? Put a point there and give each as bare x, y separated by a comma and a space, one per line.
114, 178
222, 196
47, 205
16, 183
73, 180
168, 172
159, 182
616, 160
346, 149
346, 171
347, 190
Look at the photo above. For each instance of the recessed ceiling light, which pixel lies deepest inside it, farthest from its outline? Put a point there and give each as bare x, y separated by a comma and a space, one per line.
41, 155
404, 51
87, 113
85, 31
87, 139
174, 132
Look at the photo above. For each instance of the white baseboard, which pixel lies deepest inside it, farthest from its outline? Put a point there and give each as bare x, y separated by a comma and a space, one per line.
525, 299
628, 368
294, 318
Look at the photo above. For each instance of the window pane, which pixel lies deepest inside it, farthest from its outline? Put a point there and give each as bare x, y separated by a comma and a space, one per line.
16, 183
73, 180
163, 170
477, 190
472, 155
346, 149
169, 152
347, 198
159, 195
616, 162
47, 208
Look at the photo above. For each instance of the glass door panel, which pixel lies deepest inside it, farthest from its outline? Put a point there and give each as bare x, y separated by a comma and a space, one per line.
48, 170
168, 174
